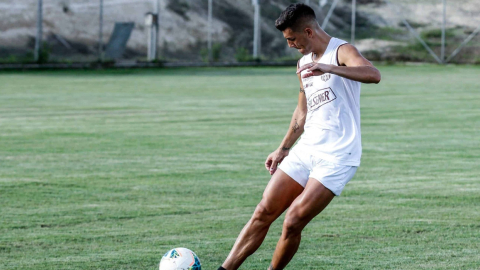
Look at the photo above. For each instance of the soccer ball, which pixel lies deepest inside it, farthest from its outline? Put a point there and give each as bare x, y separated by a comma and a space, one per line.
180, 259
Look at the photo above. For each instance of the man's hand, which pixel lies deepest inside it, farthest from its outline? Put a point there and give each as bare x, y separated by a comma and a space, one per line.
275, 158
314, 69
352, 65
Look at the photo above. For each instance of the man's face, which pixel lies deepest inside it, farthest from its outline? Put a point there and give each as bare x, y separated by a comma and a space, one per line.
298, 40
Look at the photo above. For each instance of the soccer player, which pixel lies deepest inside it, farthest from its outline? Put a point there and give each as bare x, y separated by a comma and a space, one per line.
326, 157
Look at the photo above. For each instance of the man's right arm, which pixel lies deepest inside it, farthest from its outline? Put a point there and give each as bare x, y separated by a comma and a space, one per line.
295, 130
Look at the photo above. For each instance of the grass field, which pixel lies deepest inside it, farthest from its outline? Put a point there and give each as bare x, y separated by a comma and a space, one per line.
110, 169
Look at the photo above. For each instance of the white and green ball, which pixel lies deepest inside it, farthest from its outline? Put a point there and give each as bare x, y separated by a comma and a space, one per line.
180, 259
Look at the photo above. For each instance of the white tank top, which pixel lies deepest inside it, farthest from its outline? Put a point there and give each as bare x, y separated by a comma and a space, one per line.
332, 127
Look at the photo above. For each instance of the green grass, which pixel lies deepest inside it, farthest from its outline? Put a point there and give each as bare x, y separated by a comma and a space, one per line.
110, 169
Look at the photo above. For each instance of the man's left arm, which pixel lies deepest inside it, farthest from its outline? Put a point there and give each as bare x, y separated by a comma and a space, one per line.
352, 65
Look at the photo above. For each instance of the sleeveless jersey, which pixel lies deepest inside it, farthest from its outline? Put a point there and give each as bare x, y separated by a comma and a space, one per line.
332, 126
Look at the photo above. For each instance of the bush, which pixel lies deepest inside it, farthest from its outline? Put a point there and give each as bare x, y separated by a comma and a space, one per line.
437, 33
373, 55
9, 59
243, 55
216, 53
44, 54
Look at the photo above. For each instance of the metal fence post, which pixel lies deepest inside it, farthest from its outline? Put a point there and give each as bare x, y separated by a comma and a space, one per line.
157, 28
152, 24
256, 30
210, 7
444, 22
38, 40
100, 34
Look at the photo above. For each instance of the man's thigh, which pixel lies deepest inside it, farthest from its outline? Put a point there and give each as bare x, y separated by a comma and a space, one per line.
310, 203
280, 192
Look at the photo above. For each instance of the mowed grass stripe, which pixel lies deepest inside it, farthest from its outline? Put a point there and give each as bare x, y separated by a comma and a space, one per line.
110, 169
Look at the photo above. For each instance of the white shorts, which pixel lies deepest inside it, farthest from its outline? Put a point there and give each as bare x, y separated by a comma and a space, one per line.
301, 166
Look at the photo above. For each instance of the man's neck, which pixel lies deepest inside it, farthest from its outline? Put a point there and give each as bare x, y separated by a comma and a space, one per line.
320, 44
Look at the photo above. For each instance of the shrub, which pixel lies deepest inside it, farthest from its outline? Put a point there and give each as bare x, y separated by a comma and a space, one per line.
216, 53
243, 55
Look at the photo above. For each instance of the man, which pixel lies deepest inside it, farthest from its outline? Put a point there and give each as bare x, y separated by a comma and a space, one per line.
327, 156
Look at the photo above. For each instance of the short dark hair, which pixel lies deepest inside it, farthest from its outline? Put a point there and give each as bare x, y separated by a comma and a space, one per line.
294, 16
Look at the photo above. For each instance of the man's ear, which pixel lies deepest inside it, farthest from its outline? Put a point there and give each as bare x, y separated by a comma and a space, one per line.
309, 32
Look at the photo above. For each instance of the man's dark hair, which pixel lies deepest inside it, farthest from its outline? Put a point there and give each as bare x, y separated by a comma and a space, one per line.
294, 16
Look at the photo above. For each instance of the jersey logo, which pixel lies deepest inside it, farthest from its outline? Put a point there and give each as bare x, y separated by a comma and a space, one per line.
320, 98
308, 82
308, 85
325, 77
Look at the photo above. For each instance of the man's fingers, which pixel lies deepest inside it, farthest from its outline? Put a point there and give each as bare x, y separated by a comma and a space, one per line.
306, 66
302, 68
268, 163
307, 74
314, 72
273, 168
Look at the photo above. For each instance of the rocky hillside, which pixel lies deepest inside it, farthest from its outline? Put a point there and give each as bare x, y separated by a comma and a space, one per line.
71, 28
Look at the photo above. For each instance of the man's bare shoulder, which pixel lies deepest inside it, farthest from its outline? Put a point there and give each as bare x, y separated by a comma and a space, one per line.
349, 55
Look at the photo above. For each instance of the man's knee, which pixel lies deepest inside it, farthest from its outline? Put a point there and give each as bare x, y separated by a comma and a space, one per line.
293, 225
264, 213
